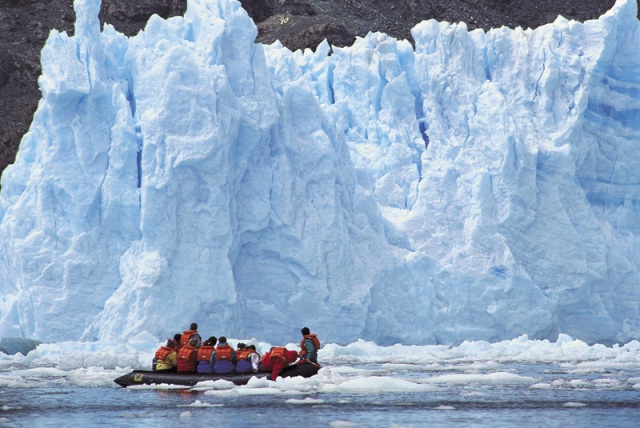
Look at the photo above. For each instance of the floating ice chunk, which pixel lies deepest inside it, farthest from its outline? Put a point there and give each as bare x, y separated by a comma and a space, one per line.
541, 386
343, 424
573, 404
199, 403
503, 378
306, 400
375, 384
15, 345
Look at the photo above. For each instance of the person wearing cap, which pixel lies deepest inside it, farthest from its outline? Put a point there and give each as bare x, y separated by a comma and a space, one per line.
188, 356
166, 358
309, 346
225, 357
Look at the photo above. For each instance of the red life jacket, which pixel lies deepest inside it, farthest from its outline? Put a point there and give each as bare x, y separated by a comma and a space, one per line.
186, 352
187, 358
186, 335
314, 339
204, 353
163, 352
223, 352
279, 353
243, 354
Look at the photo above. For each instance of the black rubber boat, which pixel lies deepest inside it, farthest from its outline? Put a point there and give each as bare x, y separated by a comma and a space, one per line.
145, 377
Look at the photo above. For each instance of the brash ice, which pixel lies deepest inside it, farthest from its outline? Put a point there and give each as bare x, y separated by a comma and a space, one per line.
480, 186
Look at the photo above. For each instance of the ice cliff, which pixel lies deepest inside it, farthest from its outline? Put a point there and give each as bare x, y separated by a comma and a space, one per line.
478, 186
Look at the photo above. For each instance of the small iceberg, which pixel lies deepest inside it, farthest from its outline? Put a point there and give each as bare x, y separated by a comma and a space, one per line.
15, 345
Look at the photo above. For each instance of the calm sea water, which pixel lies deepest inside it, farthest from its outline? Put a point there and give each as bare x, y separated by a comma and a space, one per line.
561, 397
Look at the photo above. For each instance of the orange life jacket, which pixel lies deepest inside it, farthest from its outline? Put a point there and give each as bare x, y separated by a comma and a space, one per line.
186, 335
243, 354
163, 352
314, 339
223, 352
204, 353
185, 352
279, 353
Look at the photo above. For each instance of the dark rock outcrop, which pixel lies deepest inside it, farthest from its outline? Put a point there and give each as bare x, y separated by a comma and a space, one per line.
25, 25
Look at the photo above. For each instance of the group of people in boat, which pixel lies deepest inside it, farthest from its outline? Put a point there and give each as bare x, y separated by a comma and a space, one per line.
187, 353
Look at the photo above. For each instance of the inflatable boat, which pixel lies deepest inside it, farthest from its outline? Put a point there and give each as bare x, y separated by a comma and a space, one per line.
146, 377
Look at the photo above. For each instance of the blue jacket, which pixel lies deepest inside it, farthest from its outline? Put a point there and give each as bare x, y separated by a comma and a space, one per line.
207, 366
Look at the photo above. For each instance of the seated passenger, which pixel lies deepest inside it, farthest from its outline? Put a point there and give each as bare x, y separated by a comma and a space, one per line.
277, 359
188, 357
309, 346
225, 357
248, 359
207, 355
178, 339
166, 359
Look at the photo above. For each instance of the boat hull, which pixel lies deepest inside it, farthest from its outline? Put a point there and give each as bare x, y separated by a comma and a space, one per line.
145, 377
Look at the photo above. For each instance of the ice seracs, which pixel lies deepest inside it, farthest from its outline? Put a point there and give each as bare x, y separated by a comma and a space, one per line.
478, 187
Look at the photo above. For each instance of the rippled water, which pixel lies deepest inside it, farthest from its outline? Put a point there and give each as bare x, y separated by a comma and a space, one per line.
371, 395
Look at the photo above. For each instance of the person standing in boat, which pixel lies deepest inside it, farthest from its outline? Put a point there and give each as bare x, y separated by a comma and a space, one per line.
248, 359
309, 346
277, 359
188, 334
188, 357
166, 359
225, 361
207, 355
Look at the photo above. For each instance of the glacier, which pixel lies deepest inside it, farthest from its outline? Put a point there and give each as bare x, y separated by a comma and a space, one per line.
475, 186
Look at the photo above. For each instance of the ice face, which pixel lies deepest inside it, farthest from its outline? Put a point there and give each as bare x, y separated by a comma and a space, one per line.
480, 186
